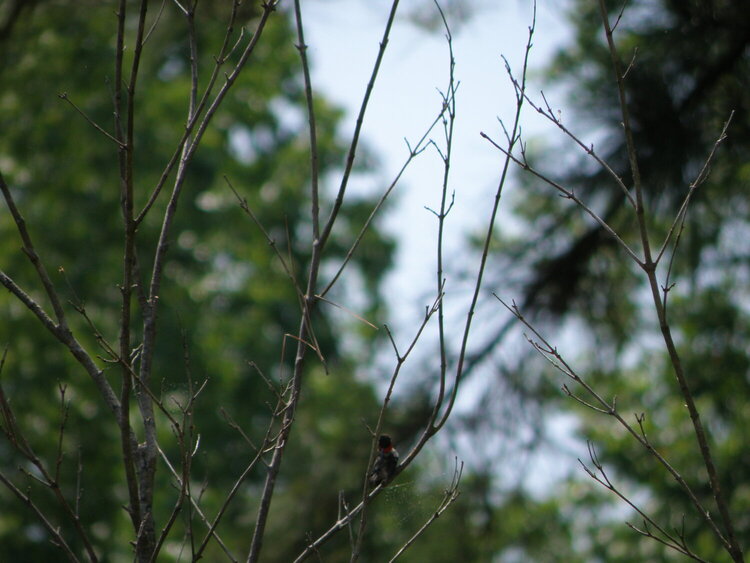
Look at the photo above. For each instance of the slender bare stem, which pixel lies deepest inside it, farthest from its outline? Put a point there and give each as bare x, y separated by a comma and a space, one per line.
52, 529
450, 496
731, 543
43, 476
415, 151
353, 145
449, 105
308, 304
64, 96
311, 128
271, 242
699, 180
59, 329
513, 138
124, 132
549, 114
550, 353
599, 475
568, 194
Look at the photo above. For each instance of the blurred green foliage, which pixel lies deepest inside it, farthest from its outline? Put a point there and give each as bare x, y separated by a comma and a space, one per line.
226, 300
689, 71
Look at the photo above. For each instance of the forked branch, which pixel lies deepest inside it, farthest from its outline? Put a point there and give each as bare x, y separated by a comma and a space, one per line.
731, 543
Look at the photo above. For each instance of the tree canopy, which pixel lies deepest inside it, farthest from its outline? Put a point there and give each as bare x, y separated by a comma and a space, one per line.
177, 221
685, 71
226, 302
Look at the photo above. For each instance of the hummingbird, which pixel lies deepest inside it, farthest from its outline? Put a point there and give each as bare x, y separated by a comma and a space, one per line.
384, 466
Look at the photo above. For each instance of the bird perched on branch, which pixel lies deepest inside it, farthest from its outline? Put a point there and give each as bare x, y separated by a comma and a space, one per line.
384, 467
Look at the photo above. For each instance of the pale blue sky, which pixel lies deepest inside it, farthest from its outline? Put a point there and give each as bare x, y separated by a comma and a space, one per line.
343, 38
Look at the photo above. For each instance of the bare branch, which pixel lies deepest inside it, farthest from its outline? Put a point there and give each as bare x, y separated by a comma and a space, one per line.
451, 494
600, 476
513, 139
64, 96
42, 475
30, 251
54, 531
730, 542
352, 313
555, 118
60, 329
568, 194
312, 128
286, 264
679, 219
413, 153
610, 409
353, 145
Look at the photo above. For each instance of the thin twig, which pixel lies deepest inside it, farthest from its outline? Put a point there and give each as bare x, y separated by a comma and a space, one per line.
699, 180
353, 145
125, 132
568, 194
729, 542
212, 532
451, 494
666, 539
369, 494
312, 127
550, 353
53, 530
60, 329
413, 153
554, 118
42, 475
286, 264
512, 140
64, 96
308, 303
